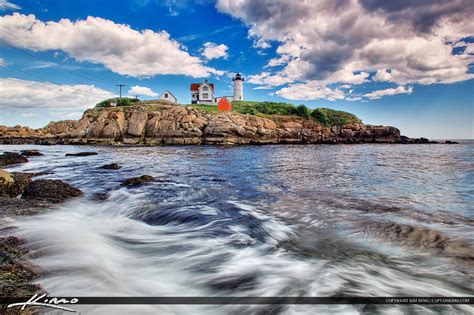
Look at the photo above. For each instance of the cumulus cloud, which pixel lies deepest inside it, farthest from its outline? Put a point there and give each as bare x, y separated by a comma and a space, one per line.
141, 90
3, 62
118, 47
343, 42
391, 91
7, 5
15, 93
310, 91
214, 51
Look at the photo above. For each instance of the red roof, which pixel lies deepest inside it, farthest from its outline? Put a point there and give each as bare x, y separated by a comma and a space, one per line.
195, 86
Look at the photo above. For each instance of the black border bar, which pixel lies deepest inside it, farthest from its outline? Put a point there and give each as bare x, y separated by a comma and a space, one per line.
234, 300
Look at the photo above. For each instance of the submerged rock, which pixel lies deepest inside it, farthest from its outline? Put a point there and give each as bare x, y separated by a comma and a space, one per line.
9, 158
16, 273
81, 154
100, 196
135, 181
31, 153
424, 238
111, 166
50, 190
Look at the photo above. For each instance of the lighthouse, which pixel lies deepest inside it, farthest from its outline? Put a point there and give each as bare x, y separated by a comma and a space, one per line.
238, 87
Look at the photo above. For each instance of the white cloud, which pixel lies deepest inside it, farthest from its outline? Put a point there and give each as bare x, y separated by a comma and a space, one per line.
118, 47
3, 62
7, 5
391, 91
141, 90
214, 51
341, 42
29, 115
310, 91
260, 43
15, 93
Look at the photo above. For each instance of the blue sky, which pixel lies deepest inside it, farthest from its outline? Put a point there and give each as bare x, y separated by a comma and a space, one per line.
401, 66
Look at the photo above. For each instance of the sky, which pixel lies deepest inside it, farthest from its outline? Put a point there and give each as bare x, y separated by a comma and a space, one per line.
407, 63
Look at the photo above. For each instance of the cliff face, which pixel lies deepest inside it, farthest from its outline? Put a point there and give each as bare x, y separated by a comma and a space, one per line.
182, 125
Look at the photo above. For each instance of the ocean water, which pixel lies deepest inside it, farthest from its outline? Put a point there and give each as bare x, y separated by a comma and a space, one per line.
282, 220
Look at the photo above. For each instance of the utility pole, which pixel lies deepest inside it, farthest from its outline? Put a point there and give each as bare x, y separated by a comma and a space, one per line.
120, 85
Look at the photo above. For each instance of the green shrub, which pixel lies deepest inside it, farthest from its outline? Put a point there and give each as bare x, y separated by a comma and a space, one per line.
120, 101
303, 111
248, 110
330, 117
269, 108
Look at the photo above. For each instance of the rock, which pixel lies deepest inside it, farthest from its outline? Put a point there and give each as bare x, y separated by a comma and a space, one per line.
5, 177
100, 196
451, 142
134, 181
31, 153
405, 139
82, 154
6, 181
137, 123
54, 191
81, 128
15, 183
9, 158
112, 166
59, 127
20, 182
16, 206
423, 238
16, 274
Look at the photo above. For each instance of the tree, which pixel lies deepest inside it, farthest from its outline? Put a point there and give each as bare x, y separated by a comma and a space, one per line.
303, 111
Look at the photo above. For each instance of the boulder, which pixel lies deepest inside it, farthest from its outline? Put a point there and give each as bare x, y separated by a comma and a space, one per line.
81, 128
31, 153
111, 166
153, 125
9, 158
20, 182
135, 181
6, 181
50, 190
114, 126
81, 154
137, 123
59, 127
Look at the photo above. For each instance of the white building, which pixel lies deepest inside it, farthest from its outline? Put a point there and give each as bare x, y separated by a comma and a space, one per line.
238, 87
168, 96
202, 93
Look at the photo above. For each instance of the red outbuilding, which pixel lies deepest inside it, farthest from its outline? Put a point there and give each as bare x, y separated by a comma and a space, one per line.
224, 104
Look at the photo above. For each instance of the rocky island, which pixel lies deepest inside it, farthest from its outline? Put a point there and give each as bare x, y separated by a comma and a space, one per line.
161, 123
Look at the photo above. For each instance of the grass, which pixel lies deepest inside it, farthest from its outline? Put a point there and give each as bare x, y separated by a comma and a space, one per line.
207, 108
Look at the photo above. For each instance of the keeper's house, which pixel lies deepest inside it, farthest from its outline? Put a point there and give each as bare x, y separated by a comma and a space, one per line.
202, 93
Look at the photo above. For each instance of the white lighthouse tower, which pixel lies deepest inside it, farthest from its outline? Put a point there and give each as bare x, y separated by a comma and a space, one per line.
238, 87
